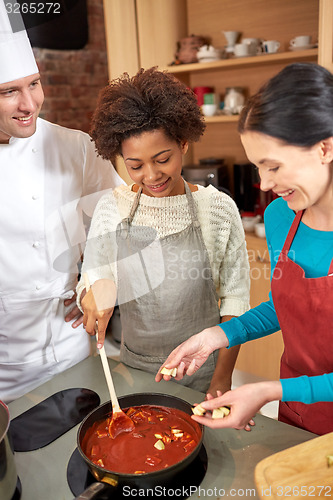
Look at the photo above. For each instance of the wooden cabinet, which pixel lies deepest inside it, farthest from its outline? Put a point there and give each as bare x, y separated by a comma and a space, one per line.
260, 357
325, 36
144, 33
281, 20
221, 138
141, 34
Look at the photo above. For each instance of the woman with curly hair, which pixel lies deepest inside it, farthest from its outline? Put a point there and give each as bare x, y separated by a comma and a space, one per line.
172, 253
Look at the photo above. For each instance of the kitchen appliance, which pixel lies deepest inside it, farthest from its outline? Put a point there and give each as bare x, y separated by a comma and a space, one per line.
52, 417
209, 171
8, 474
230, 467
247, 193
79, 477
246, 182
148, 480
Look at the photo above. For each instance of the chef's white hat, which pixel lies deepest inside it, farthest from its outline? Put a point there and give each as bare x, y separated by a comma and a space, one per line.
16, 57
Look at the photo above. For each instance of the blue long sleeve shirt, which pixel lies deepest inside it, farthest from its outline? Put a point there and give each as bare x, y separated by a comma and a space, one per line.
313, 251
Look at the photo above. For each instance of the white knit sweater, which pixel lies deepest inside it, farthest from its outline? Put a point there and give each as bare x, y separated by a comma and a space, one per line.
221, 227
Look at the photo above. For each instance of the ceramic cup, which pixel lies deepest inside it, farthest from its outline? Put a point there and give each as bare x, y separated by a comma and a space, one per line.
241, 49
259, 229
300, 41
271, 46
200, 92
249, 222
209, 109
210, 98
254, 45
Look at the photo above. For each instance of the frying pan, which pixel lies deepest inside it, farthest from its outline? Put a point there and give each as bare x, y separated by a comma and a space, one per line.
113, 481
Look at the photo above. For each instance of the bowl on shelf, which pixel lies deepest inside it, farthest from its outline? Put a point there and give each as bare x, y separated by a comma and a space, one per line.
208, 53
259, 229
249, 220
209, 109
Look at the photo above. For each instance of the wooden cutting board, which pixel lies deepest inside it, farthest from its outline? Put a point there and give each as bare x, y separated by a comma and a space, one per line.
297, 472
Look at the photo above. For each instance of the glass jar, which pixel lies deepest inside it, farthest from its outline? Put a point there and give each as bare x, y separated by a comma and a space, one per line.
234, 100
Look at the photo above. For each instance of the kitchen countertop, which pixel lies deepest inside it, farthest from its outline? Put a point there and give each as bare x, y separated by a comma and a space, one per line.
232, 455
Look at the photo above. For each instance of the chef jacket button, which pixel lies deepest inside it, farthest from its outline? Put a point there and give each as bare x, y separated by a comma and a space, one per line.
38, 287
34, 197
36, 244
34, 150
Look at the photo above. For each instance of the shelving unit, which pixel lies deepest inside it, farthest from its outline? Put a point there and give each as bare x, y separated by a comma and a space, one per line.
153, 28
245, 62
221, 138
309, 55
280, 20
222, 119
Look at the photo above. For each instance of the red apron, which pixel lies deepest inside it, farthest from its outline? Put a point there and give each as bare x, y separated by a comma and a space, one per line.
304, 307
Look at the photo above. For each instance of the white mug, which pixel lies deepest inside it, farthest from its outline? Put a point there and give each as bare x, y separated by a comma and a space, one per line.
241, 49
271, 46
254, 45
300, 41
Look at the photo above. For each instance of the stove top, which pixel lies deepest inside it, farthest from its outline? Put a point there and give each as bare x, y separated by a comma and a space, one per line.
79, 478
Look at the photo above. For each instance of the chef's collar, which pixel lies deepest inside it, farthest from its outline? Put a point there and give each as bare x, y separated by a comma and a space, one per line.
12, 140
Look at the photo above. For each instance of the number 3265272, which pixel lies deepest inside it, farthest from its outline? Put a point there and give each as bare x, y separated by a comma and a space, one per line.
304, 491
33, 8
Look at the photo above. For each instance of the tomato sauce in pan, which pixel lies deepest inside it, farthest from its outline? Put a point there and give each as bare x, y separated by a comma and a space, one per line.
161, 437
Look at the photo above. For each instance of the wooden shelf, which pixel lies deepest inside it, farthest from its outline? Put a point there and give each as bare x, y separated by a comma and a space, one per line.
290, 56
222, 119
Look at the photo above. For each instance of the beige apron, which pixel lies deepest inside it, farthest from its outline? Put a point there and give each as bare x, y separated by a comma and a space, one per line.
165, 295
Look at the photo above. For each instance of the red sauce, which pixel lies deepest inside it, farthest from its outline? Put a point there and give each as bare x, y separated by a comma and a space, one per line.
134, 452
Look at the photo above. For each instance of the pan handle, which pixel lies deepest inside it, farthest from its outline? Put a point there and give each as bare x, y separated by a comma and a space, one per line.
95, 489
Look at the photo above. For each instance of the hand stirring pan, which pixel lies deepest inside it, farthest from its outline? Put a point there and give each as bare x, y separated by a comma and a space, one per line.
120, 422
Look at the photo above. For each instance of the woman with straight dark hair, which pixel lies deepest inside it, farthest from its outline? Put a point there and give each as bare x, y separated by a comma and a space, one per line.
287, 132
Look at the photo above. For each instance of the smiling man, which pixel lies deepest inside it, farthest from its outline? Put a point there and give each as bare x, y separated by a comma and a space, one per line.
20, 103
45, 170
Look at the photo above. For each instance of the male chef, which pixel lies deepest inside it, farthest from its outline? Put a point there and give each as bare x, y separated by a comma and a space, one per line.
49, 175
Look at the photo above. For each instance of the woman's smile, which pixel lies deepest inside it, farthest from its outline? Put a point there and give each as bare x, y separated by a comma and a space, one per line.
154, 163
296, 174
286, 195
159, 187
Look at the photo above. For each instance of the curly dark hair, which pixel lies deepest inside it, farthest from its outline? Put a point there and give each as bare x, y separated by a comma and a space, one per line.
148, 101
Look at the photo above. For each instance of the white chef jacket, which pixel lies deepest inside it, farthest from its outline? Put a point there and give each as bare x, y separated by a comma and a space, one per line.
48, 183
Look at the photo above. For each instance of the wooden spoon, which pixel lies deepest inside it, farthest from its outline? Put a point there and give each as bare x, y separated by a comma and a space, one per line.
120, 422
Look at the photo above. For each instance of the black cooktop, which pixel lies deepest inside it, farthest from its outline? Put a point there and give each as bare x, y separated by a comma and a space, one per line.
182, 486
